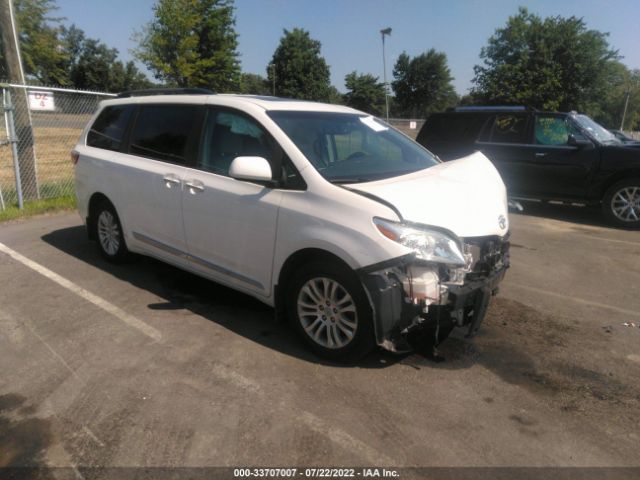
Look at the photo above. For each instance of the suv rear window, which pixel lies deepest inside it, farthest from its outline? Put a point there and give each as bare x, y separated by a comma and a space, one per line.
161, 132
108, 130
451, 128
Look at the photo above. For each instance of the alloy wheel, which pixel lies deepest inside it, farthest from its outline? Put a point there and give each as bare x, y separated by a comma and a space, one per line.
327, 312
625, 204
108, 233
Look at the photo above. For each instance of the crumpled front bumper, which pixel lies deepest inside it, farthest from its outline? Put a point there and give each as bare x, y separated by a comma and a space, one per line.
402, 303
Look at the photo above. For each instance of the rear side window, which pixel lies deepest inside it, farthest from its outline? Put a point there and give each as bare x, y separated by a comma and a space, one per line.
451, 128
107, 132
506, 129
162, 132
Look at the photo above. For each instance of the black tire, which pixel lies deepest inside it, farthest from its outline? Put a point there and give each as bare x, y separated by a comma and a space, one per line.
112, 247
613, 201
363, 338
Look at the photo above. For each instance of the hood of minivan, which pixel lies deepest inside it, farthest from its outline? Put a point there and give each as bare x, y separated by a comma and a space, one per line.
466, 196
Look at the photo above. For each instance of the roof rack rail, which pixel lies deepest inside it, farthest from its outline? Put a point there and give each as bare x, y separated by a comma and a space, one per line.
492, 108
166, 91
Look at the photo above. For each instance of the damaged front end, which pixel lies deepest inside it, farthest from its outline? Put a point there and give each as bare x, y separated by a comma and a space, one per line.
420, 301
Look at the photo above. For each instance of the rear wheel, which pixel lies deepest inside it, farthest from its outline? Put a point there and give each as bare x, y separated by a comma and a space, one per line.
108, 232
621, 203
329, 309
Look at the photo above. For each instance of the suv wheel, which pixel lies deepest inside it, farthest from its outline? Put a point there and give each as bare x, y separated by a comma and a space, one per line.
328, 307
108, 232
621, 203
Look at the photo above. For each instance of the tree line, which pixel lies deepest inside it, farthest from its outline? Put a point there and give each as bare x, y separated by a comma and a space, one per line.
552, 63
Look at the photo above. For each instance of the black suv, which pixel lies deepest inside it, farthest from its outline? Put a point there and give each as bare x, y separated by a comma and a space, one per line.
545, 155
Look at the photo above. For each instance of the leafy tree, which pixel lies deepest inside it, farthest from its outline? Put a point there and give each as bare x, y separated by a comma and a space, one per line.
43, 57
57, 55
609, 110
422, 84
300, 71
335, 96
364, 93
92, 65
554, 63
192, 43
250, 83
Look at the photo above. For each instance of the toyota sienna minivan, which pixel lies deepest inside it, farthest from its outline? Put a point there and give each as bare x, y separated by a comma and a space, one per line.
353, 231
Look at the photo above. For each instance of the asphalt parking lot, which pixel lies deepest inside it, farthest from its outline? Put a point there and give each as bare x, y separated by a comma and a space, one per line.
145, 365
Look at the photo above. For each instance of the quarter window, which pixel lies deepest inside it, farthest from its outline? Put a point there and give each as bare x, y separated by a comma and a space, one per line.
162, 132
107, 132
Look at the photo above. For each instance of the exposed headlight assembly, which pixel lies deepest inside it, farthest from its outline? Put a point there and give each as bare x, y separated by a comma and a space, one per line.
429, 245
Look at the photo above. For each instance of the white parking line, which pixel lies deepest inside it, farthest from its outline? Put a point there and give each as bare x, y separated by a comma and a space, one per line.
117, 312
344, 439
582, 301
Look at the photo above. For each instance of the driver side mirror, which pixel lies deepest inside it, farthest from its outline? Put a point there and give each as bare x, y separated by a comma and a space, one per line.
254, 169
579, 143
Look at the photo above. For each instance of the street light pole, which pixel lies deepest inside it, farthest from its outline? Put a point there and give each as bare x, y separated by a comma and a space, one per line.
383, 32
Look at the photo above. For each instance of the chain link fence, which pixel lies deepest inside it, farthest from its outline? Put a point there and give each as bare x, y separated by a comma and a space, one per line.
408, 126
40, 127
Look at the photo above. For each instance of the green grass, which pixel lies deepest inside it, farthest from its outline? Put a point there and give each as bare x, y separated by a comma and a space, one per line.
36, 207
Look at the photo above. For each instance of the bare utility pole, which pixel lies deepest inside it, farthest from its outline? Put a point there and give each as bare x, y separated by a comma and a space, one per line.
624, 113
22, 119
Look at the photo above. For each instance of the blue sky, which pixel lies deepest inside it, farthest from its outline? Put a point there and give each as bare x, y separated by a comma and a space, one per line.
349, 29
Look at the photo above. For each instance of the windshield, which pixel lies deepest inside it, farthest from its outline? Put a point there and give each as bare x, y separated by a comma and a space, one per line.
595, 130
351, 148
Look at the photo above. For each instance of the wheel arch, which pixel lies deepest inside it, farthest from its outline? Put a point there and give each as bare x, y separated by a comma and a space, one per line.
615, 178
295, 261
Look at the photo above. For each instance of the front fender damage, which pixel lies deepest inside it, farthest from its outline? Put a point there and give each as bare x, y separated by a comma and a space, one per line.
416, 304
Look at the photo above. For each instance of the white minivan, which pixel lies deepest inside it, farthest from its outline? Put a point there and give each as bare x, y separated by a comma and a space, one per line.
346, 226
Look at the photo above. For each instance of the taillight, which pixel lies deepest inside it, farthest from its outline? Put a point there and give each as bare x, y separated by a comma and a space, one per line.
74, 157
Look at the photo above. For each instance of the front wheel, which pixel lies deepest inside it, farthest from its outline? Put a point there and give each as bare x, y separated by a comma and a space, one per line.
329, 309
621, 203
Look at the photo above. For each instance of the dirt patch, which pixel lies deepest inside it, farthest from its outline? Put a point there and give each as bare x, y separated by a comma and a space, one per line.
552, 356
24, 439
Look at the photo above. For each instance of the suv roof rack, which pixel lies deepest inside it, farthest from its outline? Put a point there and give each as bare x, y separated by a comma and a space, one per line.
165, 91
492, 108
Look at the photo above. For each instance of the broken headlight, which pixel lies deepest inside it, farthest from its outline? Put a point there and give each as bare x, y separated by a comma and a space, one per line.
430, 245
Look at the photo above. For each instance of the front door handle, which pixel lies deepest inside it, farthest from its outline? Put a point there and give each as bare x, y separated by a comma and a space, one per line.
170, 180
540, 154
195, 186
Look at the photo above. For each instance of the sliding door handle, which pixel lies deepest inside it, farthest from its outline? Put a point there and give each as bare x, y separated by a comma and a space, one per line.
171, 180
